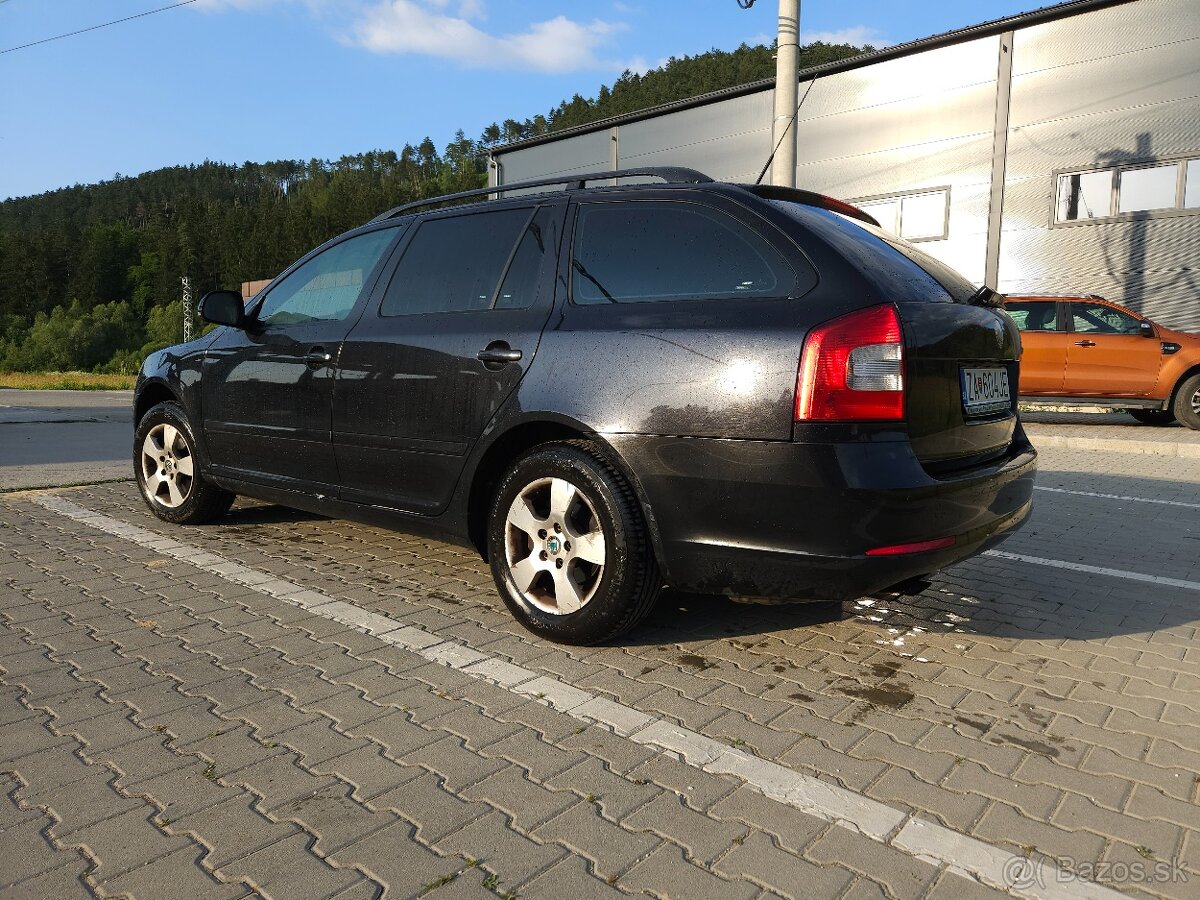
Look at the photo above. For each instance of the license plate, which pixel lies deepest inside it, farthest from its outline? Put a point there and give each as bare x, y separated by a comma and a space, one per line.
985, 391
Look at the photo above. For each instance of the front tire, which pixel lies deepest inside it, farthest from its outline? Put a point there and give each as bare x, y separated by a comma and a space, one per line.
1153, 416
568, 546
168, 472
1187, 402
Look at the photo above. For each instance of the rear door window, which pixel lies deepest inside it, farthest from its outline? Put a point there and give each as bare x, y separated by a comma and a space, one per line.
454, 264
1033, 316
646, 251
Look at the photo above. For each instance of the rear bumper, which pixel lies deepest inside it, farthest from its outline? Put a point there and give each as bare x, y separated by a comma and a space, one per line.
795, 520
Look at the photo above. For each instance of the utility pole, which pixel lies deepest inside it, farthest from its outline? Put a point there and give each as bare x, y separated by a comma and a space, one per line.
187, 308
787, 89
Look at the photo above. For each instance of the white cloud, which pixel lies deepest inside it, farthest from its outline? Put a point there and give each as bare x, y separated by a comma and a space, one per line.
555, 45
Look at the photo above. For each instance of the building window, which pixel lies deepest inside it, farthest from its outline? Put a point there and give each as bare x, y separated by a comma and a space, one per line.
1191, 193
1145, 189
1125, 190
915, 216
1084, 195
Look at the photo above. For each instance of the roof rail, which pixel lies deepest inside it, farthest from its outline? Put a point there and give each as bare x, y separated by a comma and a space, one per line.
669, 174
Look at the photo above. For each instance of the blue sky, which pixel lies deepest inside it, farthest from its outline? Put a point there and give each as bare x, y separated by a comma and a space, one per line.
238, 80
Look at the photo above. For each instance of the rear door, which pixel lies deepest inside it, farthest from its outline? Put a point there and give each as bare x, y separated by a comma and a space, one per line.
1107, 355
1044, 342
423, 372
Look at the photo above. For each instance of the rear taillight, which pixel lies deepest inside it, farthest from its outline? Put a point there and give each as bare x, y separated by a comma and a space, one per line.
852, 369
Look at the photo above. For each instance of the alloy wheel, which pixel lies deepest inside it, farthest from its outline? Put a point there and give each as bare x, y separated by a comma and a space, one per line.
554, 546
167, 468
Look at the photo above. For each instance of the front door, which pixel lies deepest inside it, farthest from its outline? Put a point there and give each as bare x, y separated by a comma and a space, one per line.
424, 371
1108, 355
266, 390
1043, 345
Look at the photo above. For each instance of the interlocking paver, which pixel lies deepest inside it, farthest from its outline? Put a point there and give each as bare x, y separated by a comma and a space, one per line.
901, 875
26, 851
528, 804
514, 857
286, 869
703, 839
759, 860
610, 848
1048, 714
666, 873
394, 858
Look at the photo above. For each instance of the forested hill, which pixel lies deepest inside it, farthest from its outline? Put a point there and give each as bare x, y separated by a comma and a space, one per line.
89, 275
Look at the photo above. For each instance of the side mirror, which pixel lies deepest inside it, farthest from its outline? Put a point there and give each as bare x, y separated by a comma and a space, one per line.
223, 308
1145, 329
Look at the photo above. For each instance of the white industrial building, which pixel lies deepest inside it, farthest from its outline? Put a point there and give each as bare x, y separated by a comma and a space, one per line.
1057, 151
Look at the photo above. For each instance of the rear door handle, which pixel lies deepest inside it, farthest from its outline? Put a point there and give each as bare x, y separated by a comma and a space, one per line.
1085, 343
498, 353
318, 357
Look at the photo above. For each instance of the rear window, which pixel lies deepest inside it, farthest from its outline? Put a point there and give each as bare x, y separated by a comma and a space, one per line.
883, 257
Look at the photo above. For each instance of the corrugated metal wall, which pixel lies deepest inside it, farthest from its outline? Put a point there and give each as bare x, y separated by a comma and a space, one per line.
1114, 85
1118, 85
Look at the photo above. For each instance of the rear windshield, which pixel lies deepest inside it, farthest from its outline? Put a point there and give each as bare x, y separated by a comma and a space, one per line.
883, 257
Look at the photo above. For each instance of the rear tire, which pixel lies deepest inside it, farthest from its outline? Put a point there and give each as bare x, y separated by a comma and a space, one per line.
568, 546
1187, 402
168, 471
1153, 416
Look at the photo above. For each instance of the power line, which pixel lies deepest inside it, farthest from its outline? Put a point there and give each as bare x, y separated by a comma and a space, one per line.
59, 37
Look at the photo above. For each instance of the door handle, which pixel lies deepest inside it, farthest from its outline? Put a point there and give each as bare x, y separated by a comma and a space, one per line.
1085, 343
318, 357
498, 353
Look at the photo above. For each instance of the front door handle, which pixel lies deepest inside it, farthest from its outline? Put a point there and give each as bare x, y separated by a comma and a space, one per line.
318, 357
498, 353
1085, 343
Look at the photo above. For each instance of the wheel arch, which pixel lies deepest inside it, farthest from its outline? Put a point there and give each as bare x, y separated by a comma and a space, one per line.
1184, 376
151, 394
519, 439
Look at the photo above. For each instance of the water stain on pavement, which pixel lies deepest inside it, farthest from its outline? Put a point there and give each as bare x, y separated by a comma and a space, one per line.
883, 695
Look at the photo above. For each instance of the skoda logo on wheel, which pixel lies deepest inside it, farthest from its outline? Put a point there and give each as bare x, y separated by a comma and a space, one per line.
552, 545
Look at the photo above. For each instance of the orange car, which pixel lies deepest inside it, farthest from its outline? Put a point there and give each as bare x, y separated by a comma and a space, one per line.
1090, 351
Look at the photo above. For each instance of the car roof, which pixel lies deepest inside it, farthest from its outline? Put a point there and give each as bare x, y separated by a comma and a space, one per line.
673, 177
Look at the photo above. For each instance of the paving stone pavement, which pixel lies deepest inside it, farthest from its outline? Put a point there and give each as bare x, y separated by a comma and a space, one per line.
170, 732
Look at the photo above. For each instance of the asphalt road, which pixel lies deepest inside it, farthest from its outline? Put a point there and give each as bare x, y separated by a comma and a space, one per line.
63, 437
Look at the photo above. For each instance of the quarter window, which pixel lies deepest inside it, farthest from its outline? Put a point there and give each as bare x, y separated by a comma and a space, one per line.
643, 251
327, 286
454, 264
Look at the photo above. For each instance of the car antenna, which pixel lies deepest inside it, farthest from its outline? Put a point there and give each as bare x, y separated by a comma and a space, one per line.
786, 129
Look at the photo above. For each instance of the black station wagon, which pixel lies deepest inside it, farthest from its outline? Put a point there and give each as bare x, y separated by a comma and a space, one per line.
610, 387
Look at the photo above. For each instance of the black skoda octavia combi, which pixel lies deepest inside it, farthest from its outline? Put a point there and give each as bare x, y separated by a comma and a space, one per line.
605, 389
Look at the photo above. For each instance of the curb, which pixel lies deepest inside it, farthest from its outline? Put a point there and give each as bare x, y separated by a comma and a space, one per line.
1115, 445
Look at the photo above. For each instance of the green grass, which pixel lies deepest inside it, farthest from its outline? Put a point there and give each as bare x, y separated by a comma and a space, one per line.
66, 381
